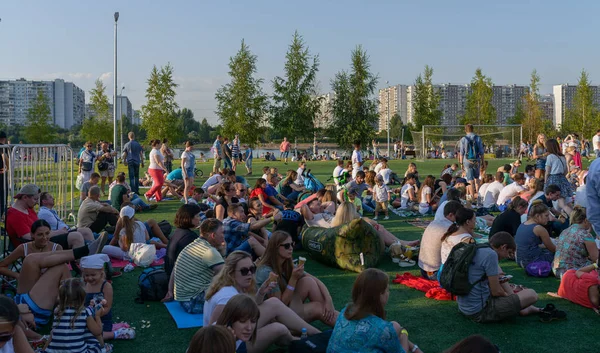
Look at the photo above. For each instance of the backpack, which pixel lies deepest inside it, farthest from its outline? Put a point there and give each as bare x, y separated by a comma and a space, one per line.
472, 151
165, 227
153, 283
455, 274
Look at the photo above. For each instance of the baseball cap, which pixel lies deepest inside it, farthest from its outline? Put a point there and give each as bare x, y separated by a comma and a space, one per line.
29, 190
461, 181
127, 211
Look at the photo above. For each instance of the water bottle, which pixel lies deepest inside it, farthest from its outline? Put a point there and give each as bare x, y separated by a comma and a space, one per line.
304, 333
128, 268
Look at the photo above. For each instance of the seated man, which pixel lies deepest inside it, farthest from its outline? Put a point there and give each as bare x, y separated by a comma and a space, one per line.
291, 222
94, 214
21, 216
558, 218
274, 198
240, 235
241, 192
134, 199
430, 259
48, 214
174, 184
510, 191
195, 267
359, 186
489, 300
119, 193
85, 187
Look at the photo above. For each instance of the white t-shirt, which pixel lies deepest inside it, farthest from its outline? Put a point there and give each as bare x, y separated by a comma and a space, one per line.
213, 180
139, 233
404, 197
556, 164
482, 190
508, 192
336, 173
431, 245
189, 158
322, 220
439, 213
447, 245
596, 142
386, 174
300, 178
381, 192
356, 160
220, 298
491, 194
581, 196
424, 192
378, 167
155, 154
264, 176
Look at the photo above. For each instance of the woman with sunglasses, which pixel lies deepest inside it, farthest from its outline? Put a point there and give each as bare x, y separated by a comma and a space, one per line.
226, 192
237, 276
12, 337
294, 286
87, 161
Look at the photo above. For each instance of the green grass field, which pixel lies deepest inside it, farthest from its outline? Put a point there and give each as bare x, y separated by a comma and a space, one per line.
433, 325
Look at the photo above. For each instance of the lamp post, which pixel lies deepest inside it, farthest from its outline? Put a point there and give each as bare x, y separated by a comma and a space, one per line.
115, 91
388, 119
121, 115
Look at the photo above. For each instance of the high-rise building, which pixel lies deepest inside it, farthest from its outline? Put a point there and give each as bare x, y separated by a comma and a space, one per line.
65, 100
506, 100
124, 108
563, 100
547, 107
453, 102
398, 104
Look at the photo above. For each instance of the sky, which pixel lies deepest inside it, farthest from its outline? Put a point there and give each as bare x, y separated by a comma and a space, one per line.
73, 40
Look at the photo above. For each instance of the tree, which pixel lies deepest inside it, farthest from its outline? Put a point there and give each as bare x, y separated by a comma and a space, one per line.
354, 110
479, 109
396, 127
99, 125
186, 123
241, 103
426, 101
39, 128
532, 113
158, 114
295, 104
583, 117
204, 131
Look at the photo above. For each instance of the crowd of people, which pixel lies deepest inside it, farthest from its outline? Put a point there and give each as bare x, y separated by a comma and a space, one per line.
231, 254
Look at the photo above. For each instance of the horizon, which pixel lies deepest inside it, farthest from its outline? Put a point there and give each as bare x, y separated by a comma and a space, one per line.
506, 40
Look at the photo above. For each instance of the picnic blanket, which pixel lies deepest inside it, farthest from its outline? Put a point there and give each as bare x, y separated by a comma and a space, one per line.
419, 223
183, 319
431, 288
122, 263
405, 213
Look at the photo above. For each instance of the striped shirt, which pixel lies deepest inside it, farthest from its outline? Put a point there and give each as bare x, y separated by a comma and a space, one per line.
193, 269
73, 339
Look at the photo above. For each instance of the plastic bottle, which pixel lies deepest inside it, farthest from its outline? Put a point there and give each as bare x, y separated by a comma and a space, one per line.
304, 333
128, 268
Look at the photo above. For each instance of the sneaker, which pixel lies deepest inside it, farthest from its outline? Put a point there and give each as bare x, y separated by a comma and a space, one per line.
549, 313
374, 218
97, 245
125, 334
386, 218
153, 206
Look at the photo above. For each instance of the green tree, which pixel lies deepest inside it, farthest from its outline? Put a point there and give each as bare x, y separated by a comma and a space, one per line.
159, 117
186, 124
426, 101
204, 131
241, 103
396, 127
479, 109
532, 112
583, 117
39, 128
294, 99
354, 109
99, 125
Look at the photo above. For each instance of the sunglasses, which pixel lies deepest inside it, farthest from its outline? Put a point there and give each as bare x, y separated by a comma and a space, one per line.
246, 270
242, 190
6, 337
287, 246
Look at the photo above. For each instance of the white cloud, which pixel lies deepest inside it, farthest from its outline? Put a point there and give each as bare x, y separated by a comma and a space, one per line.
105, 76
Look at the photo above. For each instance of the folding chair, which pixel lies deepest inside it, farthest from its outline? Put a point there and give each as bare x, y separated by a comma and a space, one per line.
6, 283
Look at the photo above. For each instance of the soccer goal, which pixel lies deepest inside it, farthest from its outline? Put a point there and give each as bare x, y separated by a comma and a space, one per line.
435, 141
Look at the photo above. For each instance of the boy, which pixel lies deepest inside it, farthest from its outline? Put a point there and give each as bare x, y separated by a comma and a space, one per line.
197, 197
529, 172
266, 170
382, 195
352, 198
85, 187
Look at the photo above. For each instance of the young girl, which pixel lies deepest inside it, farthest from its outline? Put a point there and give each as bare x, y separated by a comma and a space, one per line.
188, 164
240, 316
381, 195
12, 337
212, 339
460, 232
132, 231
76, 328
99, 291
539, 155
426, 204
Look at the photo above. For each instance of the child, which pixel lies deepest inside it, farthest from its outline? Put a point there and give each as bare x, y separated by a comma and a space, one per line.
381, 195
188, 166
248, 158
76, 328
197, 196
12, 337
130, 231
202, 159
355, 200
98, 291
266, 170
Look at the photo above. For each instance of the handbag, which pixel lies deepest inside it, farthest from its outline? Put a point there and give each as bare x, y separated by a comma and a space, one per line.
102, 166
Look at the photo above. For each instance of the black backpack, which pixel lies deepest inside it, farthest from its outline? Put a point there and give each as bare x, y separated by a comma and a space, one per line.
166, 228
455, 271
153, 283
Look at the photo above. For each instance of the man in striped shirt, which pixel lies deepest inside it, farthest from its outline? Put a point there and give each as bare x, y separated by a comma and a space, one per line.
196, 266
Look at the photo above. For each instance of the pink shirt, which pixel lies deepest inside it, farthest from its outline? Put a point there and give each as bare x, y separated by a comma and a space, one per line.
285, 146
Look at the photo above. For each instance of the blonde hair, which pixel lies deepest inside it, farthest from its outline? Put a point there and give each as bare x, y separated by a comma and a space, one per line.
578, 215
537, 208
128, 225
226, 277
346, 213
71, 294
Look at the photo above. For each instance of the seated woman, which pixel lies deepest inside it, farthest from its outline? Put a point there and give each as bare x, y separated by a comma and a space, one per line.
582, 286
226, 194
11, 332
255, 213
461, 231
289, 189
425, 194
294, 286
362, 326
237, 276
510, 220
213, 339
259, 191
532, 234
130, 231
575, 247
535, 189
329, 202
187, 221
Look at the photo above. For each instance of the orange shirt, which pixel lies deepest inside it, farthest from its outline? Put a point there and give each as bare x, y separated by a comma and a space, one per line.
576, 289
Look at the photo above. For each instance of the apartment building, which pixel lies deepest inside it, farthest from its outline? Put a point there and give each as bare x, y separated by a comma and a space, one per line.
397, 104
564, 96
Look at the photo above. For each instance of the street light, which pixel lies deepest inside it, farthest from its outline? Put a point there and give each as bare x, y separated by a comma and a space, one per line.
388, 119
121, 114
115, 91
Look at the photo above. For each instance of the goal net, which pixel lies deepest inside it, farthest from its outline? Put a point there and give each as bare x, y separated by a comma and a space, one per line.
435, 141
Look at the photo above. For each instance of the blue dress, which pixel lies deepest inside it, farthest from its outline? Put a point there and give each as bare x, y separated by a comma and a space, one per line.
368, 335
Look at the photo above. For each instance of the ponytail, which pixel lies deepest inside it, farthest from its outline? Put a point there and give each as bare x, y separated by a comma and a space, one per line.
462, 216
453, 228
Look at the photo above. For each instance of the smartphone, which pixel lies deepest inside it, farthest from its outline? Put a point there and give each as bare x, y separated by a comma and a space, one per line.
505, 278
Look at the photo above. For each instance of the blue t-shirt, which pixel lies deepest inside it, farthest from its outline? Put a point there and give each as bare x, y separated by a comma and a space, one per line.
368, 335
177, 174
485, 263
133, 149
270, 191
249, 154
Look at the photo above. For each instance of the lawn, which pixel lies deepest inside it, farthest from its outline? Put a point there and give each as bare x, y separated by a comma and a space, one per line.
433, 325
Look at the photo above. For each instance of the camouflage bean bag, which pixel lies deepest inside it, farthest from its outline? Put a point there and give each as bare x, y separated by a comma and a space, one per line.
341, 246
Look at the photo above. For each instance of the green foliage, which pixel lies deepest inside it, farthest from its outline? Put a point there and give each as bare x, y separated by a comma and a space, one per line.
532, 112
158, 114
186, 124
354, 110
98, 126
204, 131
583, 117
39, 128
294, 99
396, 127
426, 101
241, 103
479, 109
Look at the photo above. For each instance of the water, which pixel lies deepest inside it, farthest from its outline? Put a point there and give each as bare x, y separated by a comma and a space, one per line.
259, 153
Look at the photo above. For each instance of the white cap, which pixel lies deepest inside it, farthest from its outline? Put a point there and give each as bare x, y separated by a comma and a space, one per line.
94, 262
127, 211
